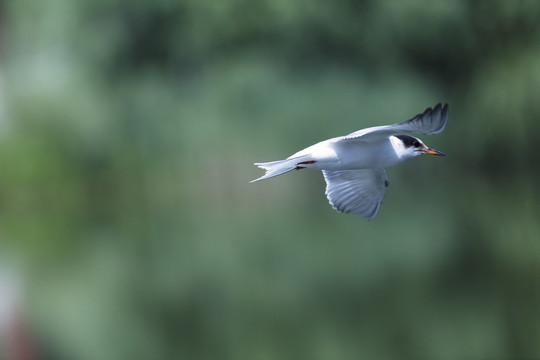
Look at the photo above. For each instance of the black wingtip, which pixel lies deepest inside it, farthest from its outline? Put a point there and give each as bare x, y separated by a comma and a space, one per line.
444, 108
438, 107
439, 111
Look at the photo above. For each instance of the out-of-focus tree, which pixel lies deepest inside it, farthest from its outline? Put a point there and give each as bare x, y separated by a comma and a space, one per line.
127, 133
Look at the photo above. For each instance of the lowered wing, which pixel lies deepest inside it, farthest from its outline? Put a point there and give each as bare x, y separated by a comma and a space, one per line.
359, 192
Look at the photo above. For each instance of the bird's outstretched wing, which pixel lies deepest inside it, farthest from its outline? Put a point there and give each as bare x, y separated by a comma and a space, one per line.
430, 122
358, 192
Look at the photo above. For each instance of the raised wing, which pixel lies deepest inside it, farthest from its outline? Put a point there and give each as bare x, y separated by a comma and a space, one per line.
430, 122
358, 192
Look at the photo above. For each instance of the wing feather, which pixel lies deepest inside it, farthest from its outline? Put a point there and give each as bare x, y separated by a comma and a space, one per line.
358, 192
430, 122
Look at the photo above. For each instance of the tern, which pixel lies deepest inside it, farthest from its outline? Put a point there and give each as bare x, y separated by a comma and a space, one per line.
353, 165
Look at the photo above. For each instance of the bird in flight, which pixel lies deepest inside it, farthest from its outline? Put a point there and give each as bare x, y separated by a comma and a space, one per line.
353, 165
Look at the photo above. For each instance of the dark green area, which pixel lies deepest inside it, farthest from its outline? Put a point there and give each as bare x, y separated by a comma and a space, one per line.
127, 136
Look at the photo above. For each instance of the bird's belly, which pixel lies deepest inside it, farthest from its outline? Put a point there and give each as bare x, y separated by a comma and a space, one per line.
365, 156
334, 154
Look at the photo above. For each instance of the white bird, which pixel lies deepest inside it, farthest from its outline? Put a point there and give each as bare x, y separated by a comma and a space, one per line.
353, 165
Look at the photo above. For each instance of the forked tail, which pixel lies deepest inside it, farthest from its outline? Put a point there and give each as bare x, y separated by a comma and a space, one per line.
275, 168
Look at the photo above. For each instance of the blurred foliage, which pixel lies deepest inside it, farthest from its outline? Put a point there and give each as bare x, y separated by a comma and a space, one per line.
127, 134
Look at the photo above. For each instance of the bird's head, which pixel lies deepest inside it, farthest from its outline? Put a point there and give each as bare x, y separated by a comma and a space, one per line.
408, 146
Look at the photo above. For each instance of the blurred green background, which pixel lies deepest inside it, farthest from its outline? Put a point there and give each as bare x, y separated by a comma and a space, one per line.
128, 130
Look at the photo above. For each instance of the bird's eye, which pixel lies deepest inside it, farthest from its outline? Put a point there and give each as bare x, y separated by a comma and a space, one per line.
416, 144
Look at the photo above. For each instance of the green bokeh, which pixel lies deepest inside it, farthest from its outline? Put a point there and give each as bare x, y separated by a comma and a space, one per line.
128, 130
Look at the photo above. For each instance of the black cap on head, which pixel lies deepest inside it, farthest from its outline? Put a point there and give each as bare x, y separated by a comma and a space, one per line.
408, 141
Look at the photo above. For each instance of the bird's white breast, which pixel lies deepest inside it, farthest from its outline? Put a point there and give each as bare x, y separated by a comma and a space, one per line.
366, 155
335, 154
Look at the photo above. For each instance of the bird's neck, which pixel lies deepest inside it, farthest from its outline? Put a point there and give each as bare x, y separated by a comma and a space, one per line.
399, 148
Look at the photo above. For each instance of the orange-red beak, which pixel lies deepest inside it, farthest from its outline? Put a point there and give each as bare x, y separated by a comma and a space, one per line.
429, 151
